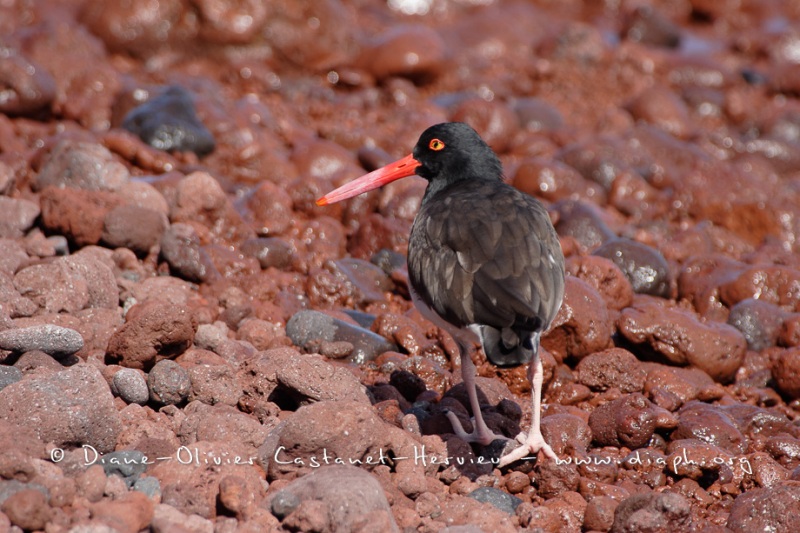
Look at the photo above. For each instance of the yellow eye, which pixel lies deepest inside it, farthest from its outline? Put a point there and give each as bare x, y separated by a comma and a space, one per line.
436, 145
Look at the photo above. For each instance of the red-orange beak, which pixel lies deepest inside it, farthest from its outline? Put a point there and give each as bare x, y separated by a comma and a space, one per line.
377, 178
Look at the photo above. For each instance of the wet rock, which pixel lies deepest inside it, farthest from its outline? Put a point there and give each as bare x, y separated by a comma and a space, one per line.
648, 25
786, 372
582, 325
77, 214
133, 227
498, 498
152, 331
718, 349
138, 30
308, 327
663, 109
495, 122
697, 420
583, 222
81, 165
645, 267
27, 509
671, 387
56, 341
760, 322
567, 434
169, 122
70, 407
169, 383
348, 430
271, 252
349, 498
537, 114
666, 511
628, 421
615, 367
556, 479
320, 46
267, 208
600, 513
131, 386
235, 23
181, 249
773, 284
412, 51
552, 180
16, 217
27, 86
765, 509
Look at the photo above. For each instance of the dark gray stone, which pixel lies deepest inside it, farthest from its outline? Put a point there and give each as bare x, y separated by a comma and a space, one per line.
307, 328
502, 500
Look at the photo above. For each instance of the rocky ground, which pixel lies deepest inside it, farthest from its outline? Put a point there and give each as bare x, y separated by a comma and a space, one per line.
190, 344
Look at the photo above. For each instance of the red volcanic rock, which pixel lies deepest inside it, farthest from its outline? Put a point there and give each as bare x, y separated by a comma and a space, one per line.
628, 421
77, 213
582, 325
152, 331
682, 338
786, 372
130, 513
70, 407
27, 509
615, 367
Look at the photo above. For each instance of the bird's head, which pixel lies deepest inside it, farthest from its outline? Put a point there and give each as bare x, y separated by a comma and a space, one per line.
445, 153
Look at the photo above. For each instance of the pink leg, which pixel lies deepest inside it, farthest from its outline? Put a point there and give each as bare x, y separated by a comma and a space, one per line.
534, 440
480, 431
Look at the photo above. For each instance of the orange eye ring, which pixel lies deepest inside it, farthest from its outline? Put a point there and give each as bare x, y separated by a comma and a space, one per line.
436, 145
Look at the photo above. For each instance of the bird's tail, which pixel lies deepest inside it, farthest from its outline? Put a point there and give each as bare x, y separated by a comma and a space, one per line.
509, 347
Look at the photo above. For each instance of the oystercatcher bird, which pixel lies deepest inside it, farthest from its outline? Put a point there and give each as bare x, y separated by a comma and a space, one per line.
484, 262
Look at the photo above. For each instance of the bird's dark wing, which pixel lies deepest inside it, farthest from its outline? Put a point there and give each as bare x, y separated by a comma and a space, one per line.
487, 255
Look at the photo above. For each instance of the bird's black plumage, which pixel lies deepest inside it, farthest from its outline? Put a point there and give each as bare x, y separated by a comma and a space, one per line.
480, 251
483, 261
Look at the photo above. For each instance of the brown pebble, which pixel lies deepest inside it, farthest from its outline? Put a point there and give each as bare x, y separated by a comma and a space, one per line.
27, 509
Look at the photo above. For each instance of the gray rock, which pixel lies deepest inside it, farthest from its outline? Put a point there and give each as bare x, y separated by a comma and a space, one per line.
181, 249
283, 503
9, 375
149, 485
127, 464
81, 165
131, 386
308, 329
502, 500
55, 340
169, 122
169, 383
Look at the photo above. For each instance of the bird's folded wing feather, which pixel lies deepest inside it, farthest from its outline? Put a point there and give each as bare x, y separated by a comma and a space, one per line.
503, 268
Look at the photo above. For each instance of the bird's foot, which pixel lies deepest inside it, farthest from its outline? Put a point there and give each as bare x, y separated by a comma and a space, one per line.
480, 432
531, 445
